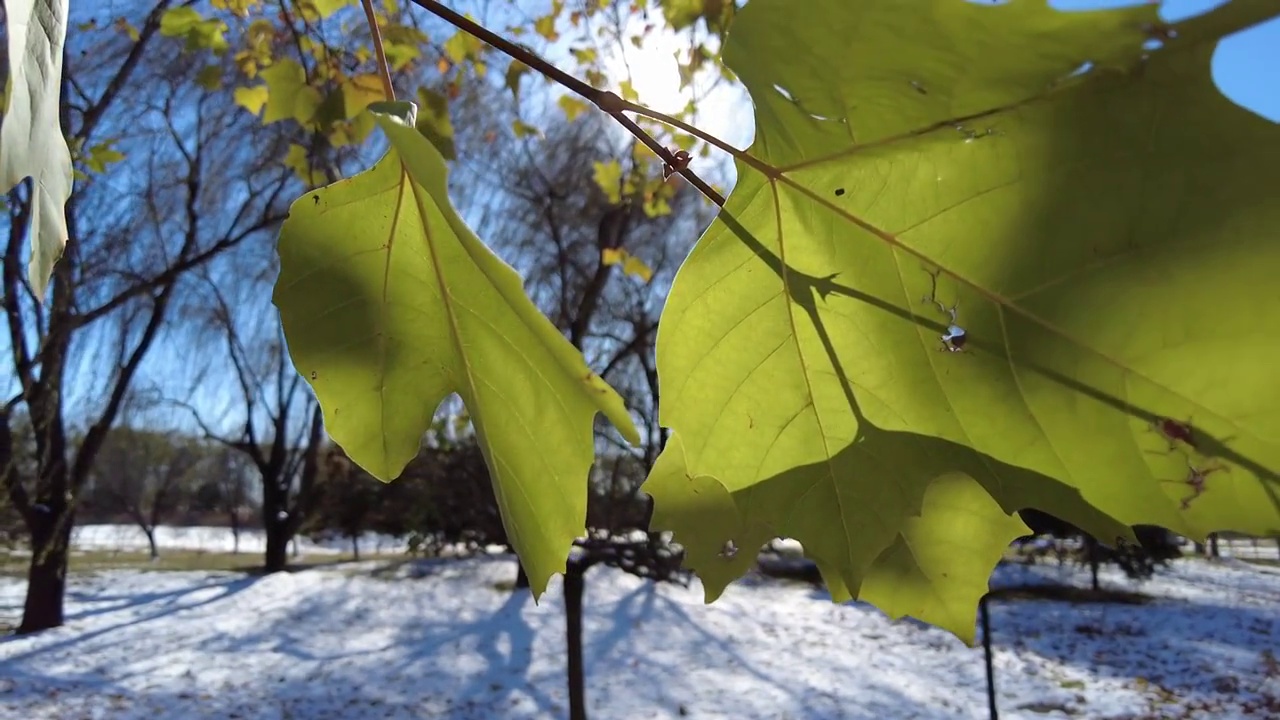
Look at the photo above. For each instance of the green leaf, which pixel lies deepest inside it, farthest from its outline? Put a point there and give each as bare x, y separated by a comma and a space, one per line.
296, 159
434, 122
31, 142
1106, 235
102, 155
523, 129
937, 568
515, 71
390, 303
289, 95
209, 77
358, 92
201, 33
461, 46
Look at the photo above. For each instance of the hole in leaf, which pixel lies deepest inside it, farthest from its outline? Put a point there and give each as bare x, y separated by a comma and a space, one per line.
839, 192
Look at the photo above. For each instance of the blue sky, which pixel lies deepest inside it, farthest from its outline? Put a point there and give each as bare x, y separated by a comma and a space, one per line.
1246, 66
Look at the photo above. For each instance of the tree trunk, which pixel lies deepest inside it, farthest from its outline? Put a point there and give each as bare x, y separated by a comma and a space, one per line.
277, 557
1091, 549
1213, 545
522, 577
1199, 550
988, 656
573, 585
151, 542
47, 575
355, 546
235, 532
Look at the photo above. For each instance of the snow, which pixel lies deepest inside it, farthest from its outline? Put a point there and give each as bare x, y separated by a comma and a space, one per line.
445, 638
130, 538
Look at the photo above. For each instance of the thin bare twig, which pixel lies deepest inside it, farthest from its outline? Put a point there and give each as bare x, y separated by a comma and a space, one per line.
384, 69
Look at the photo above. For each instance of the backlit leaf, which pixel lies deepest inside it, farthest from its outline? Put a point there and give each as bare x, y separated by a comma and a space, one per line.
434, 122
1106, 236
390, 304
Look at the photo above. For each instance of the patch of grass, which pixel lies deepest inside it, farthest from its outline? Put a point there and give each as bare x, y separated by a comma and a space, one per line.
15, 565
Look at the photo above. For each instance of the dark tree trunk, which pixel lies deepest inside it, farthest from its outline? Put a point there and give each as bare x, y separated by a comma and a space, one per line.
988, 657
573, 586
277, 556
151, 542
1199, 549
1213, 545
1091, 549
47, 575
355, 546
522, 577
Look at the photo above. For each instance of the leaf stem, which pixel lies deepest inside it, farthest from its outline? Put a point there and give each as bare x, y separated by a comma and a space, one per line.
606, 100
384, 69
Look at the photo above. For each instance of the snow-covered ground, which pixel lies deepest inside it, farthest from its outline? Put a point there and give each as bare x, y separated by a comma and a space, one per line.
441, 639
130, 538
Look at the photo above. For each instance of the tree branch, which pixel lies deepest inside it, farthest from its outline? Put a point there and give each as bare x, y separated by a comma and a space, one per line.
96, 111
606, 100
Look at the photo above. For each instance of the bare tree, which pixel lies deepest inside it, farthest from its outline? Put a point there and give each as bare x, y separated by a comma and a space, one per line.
277, 422
144, 474
230, 474
193, 184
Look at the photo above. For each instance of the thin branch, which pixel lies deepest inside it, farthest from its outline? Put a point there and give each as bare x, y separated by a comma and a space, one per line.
606, 100
95, 112
384, 69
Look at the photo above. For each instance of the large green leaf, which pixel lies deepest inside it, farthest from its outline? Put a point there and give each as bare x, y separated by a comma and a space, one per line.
390, 303
1107, 235
31, 141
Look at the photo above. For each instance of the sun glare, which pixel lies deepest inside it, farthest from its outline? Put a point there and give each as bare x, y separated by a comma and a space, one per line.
724, 109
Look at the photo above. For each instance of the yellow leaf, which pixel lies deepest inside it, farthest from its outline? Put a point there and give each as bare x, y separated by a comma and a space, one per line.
628, 91
252, 98
296, 160
546, 27
612, 256
360, 90
522, 129
631, 265
608, 176
571, 106
635, 267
